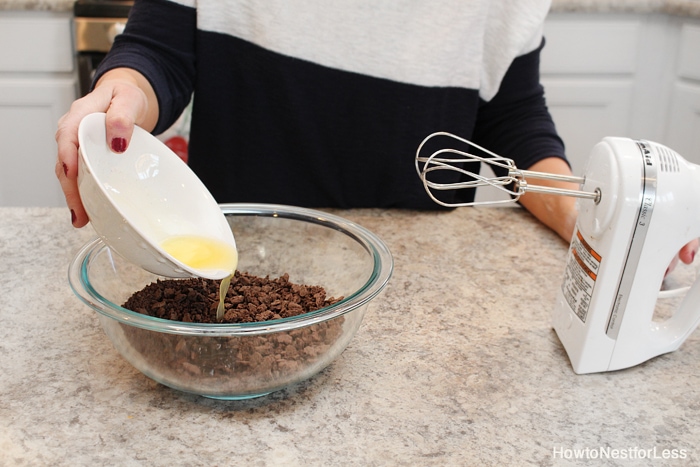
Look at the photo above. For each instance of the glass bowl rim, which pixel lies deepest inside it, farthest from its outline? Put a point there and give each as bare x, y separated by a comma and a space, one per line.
382, 271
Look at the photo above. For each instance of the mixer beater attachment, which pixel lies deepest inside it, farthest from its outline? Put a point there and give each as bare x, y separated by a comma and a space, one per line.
514, 183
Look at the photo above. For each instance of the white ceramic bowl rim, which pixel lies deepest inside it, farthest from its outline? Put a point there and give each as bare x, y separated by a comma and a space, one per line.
383, 269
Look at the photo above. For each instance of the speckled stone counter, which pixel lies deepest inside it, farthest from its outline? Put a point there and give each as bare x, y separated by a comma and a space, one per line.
673, 7
58, 6
454, 364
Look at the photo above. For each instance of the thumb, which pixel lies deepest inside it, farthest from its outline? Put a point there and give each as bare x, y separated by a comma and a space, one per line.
127, 108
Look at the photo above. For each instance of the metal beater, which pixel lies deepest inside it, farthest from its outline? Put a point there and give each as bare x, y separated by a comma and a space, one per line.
514, 183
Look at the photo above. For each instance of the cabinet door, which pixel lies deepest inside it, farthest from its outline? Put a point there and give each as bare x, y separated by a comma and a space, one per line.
683, 126
29, 111
589, 66
585, 111
683, 131
36, 42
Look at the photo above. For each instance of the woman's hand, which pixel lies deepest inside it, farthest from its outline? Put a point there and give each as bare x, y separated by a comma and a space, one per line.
688, 252
685, 255
128, 99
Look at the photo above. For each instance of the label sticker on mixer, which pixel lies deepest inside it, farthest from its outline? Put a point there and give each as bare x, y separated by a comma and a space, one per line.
580, 275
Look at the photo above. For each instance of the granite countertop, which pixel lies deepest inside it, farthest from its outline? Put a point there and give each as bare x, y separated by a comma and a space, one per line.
672, 7
455, 364
57, 6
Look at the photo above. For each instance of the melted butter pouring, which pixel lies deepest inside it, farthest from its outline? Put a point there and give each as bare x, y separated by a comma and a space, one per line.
205, 254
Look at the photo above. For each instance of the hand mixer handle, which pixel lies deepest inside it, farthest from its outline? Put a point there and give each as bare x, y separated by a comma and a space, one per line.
670, 334
681, 212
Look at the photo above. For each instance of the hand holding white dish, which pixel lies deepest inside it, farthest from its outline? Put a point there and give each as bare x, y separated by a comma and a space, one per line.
149, 206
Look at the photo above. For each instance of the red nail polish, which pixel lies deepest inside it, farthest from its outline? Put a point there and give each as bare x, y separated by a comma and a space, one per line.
72, 217
65, 169
118, 144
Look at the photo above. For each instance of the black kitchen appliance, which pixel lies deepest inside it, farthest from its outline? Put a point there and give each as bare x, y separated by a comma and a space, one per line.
97, 23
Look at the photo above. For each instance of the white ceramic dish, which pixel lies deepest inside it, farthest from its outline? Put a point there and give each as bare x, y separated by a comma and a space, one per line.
138, 199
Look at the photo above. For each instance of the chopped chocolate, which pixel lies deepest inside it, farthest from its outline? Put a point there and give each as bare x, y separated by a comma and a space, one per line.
249, 299
235, 364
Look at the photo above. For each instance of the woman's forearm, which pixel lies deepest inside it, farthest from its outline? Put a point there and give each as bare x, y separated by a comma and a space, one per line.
556, 212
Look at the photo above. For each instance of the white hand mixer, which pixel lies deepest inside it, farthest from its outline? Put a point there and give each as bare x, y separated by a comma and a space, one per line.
639, 204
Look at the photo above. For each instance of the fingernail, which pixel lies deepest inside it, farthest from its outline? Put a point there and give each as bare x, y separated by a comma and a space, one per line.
118, 144
72, 217
65, 169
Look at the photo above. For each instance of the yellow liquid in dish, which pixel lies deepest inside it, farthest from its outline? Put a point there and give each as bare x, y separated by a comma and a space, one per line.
205, 254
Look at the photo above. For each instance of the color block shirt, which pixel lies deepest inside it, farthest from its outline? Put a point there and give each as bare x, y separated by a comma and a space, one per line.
323, 103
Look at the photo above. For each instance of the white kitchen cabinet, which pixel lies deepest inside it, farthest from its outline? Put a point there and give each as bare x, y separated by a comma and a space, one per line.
683, 127
587, 110
633, 75
38, 82
684, 123
588, 69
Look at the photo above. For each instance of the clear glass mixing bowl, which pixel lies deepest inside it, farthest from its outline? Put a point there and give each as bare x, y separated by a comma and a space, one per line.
241, 361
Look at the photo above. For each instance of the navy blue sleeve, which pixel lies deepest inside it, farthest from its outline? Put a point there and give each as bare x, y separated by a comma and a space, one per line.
516, 122
159, 42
